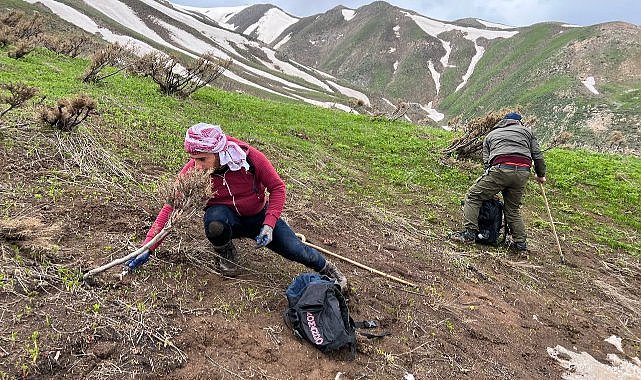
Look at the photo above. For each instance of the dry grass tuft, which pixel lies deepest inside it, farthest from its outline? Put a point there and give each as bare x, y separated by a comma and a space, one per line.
30, 234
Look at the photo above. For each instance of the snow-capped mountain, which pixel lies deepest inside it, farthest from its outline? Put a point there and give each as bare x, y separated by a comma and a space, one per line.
380, 55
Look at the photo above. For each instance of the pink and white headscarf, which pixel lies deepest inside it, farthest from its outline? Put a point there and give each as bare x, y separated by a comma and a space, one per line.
208, 138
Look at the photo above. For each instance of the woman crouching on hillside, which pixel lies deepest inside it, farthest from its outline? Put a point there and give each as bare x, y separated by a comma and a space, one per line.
241, 177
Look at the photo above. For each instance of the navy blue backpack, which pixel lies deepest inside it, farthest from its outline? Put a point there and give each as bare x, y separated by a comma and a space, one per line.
490, 222
317, 312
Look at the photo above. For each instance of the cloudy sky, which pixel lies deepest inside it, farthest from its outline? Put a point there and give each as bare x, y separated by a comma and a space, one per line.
510, 12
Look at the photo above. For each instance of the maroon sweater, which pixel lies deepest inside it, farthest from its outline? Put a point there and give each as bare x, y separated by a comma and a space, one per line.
243, 191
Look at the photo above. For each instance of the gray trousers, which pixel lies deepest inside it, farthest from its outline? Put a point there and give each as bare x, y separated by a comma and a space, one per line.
511, 183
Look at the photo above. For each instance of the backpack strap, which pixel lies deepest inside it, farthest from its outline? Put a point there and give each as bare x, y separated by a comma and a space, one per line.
369, 325
365, 325
372, 335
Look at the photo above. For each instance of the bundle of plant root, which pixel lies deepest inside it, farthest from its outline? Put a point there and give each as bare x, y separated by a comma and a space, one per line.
186, 195
473, 134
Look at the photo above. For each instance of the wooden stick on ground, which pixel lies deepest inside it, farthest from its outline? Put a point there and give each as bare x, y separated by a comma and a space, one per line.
547, 206
164, 232
302, 238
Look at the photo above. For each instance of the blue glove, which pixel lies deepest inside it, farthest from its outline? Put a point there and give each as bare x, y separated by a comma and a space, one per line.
265, 236
138, 260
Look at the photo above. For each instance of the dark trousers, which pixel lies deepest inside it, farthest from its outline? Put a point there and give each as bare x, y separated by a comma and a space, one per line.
511, 183
284, 242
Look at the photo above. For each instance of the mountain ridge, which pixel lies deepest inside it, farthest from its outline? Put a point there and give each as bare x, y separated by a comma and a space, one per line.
387, 55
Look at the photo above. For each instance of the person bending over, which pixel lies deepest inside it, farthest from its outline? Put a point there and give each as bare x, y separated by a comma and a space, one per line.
240, 208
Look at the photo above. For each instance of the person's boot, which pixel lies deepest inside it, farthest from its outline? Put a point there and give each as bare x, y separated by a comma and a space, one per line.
331, 271
466, 236
227, 263
518, 247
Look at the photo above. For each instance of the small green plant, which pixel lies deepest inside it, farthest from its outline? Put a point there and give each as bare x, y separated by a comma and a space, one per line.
24, 368
95, 308
449, 325
33, 349
70, 278
389, 358
250, 293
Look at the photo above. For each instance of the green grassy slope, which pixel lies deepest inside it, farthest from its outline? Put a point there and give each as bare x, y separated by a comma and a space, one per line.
537, 70
508, 70
393, 166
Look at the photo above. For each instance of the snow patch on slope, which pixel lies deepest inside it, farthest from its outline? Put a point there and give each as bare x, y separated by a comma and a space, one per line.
82, 21
589, 82
188, 41
348, 14
494, 25
435, 75
219, 14
447, 45
480, 50
396, 31
432, 113
435, 27
271, 25
351, 92
283, 41
289, 69
127, 17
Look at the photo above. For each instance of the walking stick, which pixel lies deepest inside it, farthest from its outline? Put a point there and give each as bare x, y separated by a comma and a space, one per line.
547, 206
302, 238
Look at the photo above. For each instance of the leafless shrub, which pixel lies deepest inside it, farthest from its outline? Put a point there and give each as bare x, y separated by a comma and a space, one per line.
67, 114
111, 55
21, 49
69, 45
18, 94
400, 111
6, 37
186, 195
21, 25
173, 78
562, 138
616, 140
11, 17
356, 103
473, 134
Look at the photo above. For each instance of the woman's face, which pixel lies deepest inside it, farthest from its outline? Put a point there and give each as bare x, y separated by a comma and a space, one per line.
204, 161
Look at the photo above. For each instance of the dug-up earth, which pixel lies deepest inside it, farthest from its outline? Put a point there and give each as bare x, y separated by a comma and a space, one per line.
477, 312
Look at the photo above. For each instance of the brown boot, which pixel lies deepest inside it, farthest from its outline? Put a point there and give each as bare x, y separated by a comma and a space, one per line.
331, 271
227, 263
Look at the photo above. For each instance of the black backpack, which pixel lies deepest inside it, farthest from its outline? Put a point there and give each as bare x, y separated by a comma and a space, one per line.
317, 312
490, 222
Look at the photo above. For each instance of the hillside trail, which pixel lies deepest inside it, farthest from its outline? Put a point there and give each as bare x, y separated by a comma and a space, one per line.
479, 312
